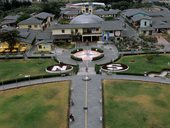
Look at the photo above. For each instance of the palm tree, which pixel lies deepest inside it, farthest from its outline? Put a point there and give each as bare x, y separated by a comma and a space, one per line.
11, 37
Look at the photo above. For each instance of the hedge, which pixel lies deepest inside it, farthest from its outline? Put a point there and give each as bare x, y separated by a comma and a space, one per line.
28, 78
97, 69
97, 49
75, 58
76, 50
98, 57
124, 73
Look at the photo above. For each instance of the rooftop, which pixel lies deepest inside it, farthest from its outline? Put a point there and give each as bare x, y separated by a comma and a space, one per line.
30, 21
132, 12
112, 25
44, 15
86, 19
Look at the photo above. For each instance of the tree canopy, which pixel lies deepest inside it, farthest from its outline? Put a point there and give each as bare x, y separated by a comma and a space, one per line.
11, 37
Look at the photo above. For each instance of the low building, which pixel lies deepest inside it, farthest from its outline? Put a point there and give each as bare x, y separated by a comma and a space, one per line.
40, 21
104, 14
149, 21
71, 14
9, 21
44, 42
26, 39
87, 28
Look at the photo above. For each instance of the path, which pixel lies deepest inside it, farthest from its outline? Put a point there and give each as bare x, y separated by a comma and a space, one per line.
162, 41
93, 102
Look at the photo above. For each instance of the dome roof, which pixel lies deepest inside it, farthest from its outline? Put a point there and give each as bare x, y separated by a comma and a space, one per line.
86, 18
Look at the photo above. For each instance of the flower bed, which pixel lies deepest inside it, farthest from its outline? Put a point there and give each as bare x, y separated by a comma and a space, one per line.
93, 54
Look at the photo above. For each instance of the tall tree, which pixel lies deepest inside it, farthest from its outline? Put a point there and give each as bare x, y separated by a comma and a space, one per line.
11, 37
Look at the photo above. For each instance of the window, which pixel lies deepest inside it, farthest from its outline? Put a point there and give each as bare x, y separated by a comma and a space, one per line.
145, 23
40, 47
35, 26
87, 10
76, 30
63, 31
29, 26
97, 29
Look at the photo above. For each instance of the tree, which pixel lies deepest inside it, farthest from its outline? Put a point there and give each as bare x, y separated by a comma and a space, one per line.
52, 7
23, 17
11, 37
45, 1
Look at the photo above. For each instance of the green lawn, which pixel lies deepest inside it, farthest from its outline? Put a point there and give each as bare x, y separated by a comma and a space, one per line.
11, 69
140, 64
41, 106
136, 104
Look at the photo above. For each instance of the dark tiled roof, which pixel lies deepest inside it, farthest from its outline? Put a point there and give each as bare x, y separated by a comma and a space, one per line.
146, 28
70, 13
112, 25
4, 22
30, 21
140, 17
132, 12
62, 37
44, 36
10, 17
110, 12
44, 15
27, 36
59, 26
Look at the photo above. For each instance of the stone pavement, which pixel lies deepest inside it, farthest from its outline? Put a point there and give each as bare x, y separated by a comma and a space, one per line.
94, 95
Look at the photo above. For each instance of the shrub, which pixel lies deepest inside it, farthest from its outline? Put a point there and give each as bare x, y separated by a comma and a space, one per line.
97, 49
98, 57
76, 50
75, 58
97, 69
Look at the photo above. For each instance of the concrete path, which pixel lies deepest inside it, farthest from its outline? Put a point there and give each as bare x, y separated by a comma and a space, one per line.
161, 40
93, 96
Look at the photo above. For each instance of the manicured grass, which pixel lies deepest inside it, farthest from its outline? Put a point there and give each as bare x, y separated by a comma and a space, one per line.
12, 69
42, 106
136, 104
140, 63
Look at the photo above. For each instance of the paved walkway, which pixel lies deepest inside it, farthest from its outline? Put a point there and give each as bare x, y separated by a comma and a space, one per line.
161, 40
93, 102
